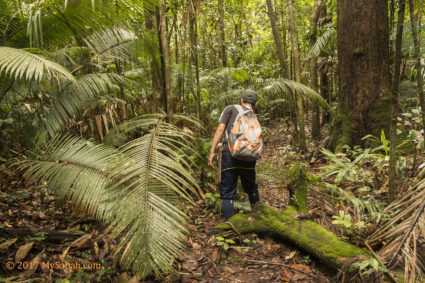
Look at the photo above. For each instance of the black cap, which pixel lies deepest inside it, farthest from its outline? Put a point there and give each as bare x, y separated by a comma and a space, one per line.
249, 96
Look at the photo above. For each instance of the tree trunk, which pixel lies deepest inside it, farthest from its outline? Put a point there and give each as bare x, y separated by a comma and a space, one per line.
395, 102
150, 24
315, 131
277, 40
221, 37
417, 45
166, 61
297, 61
283, 65
363, 71
193, 29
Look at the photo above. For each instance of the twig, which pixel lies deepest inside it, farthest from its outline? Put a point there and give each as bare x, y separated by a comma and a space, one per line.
234, 229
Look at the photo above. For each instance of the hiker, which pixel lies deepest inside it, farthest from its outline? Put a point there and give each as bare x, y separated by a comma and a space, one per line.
244, 165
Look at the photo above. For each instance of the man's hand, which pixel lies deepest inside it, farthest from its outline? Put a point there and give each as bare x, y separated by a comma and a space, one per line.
210, 160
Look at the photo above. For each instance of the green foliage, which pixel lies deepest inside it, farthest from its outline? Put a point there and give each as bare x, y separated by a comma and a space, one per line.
344, 220
368, 266
348, 170
133, 189
213, 202
224, 243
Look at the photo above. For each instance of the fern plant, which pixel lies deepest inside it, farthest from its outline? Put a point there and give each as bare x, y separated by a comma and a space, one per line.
134, 189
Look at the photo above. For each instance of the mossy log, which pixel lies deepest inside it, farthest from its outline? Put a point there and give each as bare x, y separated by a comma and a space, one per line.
304, 234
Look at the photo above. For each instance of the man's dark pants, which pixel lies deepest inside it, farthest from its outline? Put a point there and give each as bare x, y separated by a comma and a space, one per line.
231, 169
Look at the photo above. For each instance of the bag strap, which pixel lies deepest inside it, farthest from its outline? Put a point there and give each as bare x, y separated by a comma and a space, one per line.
241, 111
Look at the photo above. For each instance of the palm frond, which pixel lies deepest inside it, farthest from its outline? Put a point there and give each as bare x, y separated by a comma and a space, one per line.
133, 189
111, 43
404, 232
121, 134
224, 74
74, 97
20, 64
284, 87
322, 42
75, 169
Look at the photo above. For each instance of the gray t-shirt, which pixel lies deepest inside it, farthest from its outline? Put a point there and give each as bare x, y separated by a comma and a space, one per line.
228, 117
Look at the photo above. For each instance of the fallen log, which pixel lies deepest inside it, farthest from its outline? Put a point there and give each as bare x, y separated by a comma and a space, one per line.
304, 234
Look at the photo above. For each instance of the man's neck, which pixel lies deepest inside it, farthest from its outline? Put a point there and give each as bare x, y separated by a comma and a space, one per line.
247, 105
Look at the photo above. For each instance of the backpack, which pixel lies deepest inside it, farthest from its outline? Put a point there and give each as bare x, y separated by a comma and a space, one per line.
244, 140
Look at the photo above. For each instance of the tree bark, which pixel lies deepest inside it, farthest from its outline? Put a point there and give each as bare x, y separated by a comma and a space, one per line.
166, 61
283, 65
395, 102
297, 61
277, 39
363, 71
417, 45
193, 29
315, 131
221, 36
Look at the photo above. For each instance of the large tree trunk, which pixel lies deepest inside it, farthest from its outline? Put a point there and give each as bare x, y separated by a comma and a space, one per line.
364, 81
297, 61
315, 131
166, 60
395, 102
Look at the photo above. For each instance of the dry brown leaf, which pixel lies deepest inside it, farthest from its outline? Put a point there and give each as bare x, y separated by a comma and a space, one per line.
190, 265
302, 267
23, 251
8, 243
96, 249
78, 243
291, 255
34, 264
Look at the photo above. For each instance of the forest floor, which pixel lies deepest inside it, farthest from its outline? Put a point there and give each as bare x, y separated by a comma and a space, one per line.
35, 230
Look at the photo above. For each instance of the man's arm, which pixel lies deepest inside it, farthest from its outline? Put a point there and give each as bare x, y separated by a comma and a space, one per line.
217, 136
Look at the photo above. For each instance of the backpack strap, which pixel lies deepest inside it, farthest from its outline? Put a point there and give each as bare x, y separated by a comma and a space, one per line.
241, 111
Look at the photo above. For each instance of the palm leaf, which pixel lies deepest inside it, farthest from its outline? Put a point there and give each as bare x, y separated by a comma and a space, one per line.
112, 43
285, 87
74, 97
23, 65
322, 42
132, 189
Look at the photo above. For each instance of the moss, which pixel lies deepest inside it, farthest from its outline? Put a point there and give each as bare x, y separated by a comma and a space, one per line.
301, 192
307, 235
341, 131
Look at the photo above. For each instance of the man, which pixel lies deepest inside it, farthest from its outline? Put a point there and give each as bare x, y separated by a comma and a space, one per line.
231, 168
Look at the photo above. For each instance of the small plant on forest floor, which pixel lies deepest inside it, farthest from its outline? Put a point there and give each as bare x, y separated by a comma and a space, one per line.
212, 202
307, 259
224, 243
368, 266
344, 222
345, 169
